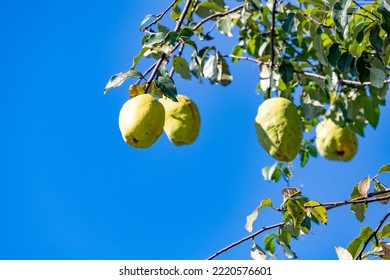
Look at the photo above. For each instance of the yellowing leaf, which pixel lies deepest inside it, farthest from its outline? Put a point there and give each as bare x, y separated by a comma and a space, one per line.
135, 90
319, 212
253, 216
364, 186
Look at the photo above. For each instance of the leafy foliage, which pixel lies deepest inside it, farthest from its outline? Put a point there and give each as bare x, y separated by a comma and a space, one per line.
330, 57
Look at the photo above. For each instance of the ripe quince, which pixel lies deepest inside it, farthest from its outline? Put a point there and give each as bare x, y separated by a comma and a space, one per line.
278, 128
335, 142
141, 121
182, 120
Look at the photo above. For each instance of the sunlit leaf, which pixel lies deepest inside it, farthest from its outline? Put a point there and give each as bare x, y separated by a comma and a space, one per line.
342, 253
118, 79
354, 247
257, 253
210, 69
319, 212
147, 17
253, 216
384, 168
385, 233
359, 209
364, 186
224, 76
225, 25
386, 248
269, 243
377, 77
181, 67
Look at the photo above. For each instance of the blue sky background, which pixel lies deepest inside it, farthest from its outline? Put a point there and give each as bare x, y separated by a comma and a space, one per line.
70, 188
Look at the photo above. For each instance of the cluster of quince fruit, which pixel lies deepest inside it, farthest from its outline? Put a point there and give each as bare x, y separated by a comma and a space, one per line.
143, 119
279, 132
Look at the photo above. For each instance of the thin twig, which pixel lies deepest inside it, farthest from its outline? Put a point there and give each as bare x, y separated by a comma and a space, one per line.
203, 21
259, 62
164, 56
160, 15
359, 256
245, 239
272, 48
367, 11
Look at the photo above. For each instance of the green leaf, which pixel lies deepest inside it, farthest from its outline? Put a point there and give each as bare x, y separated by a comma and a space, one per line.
304, 157
378, 187
354, 247
257, 253
224, 76
297, 211
311, 104
154, 39
319, 212
345, 61
384, 168
288, 22
286, 70
359, 209
271, 173
167, 87
269, 243
365, 233
147, 17
334, 54
385, 18
319, 48
385, 233
340, 14
288, 252
377, 77
343, 254
253, 216
375, 39
225, 25
181, 67
163, 29
171, 37
291, 227
138, 57
186, 32
211, 6
371, 111
118, 79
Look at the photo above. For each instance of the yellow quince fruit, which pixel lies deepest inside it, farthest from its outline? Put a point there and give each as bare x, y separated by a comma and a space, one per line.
182, 120
279, 129
141, 121
335, 142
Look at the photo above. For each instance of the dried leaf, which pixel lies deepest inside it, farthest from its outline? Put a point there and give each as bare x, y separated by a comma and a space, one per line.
135, 90
253, 216
364, 186
290, 192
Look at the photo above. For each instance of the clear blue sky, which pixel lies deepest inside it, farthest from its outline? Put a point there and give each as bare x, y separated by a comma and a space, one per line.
70, 188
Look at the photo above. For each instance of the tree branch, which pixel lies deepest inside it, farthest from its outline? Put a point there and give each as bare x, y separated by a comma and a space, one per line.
245, 239
164, 56
328, 206
160, 16
373, 234
203, 21
259, 62
272, 48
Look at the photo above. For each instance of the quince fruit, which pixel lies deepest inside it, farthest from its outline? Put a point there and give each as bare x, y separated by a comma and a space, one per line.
278, 128
141, 121
335, 142
182, 120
